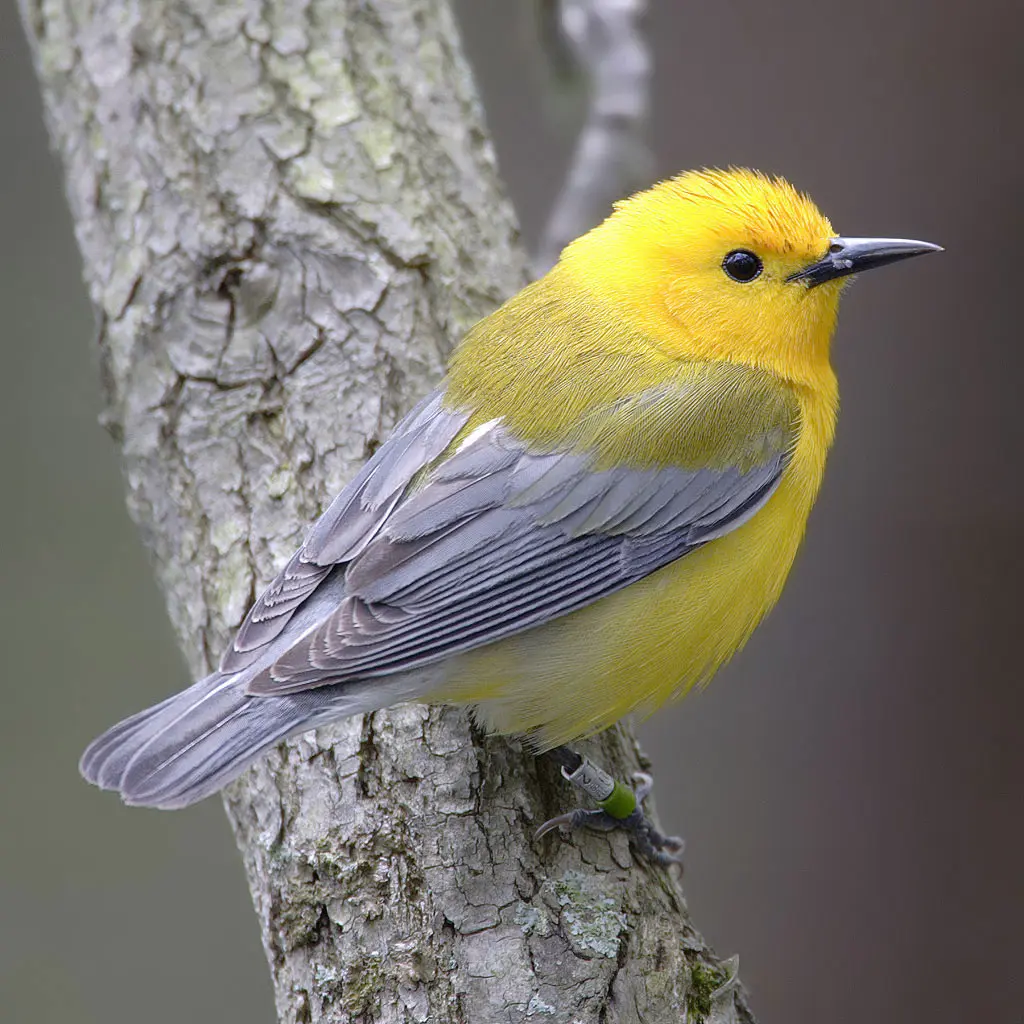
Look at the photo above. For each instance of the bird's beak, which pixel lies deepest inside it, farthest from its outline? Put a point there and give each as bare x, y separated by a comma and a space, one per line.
852, 255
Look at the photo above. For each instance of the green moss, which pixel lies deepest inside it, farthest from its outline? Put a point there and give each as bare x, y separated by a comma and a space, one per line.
704, 981
361, 989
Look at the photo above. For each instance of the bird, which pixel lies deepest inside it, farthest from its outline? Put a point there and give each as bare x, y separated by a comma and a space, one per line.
587, 518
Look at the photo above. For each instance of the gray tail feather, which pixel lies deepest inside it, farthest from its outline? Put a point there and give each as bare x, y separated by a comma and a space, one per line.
185, 748
106, 758
197, 741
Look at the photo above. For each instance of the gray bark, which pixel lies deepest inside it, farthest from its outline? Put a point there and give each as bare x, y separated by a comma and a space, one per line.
286, 211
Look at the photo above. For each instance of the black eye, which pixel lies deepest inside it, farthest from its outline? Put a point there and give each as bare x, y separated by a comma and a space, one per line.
742, 265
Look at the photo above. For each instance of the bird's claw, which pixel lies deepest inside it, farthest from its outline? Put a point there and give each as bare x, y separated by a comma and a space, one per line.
652, 844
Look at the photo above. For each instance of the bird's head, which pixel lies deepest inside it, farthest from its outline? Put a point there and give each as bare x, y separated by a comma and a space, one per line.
729, 265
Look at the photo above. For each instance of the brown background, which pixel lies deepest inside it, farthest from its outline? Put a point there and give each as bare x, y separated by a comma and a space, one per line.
850, 787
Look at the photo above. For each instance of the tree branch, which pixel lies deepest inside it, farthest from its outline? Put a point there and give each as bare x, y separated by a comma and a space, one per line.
286, 211
601, 40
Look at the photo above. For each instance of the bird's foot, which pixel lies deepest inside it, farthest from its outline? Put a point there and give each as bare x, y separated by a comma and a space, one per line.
620, 807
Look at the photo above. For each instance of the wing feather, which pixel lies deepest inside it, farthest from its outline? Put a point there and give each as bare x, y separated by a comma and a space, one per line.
445, 545
500, 539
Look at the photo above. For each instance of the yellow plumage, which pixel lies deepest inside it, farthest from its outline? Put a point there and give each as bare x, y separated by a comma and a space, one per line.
641, 303
587, 518
642, 646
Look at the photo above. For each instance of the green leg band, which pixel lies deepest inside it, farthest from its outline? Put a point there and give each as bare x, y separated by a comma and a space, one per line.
621, 803
612, 797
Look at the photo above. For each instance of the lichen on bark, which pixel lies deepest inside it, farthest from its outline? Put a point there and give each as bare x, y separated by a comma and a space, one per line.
287, 211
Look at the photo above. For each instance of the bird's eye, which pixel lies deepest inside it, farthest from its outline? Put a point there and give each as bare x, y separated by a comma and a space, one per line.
742, 265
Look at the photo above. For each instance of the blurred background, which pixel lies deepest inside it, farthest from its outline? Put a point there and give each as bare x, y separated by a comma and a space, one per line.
851, 785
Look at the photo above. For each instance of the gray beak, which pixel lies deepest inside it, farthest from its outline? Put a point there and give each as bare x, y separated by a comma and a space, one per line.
852, 255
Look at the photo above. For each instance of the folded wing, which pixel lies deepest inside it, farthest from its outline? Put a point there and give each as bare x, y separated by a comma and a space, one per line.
499, 538
449, 539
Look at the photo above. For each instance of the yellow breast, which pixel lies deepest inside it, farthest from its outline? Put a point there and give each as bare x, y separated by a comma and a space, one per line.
657, 638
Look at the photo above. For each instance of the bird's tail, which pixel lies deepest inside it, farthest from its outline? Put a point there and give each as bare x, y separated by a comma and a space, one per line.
197, 741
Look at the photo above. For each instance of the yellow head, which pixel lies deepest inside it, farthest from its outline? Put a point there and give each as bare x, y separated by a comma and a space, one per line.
727, 265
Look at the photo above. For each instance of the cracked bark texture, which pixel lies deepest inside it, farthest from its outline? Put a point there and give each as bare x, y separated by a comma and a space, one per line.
287, 211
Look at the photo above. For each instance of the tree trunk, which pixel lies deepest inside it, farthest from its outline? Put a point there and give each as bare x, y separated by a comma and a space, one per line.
287, 211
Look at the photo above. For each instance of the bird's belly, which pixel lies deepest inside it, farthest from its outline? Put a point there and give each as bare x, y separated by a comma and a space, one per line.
635, 649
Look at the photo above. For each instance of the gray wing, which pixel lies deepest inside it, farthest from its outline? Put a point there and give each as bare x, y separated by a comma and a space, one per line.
500, 539
349, 524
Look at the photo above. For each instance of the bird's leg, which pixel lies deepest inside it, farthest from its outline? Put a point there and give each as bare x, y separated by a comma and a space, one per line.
618, 806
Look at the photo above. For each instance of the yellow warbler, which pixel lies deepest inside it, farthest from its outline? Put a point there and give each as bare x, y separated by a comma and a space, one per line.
588, 517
